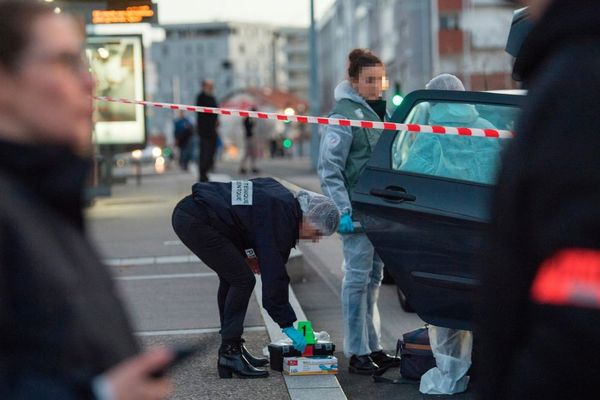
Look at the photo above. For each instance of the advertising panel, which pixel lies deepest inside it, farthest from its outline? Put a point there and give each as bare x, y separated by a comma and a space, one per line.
117, 65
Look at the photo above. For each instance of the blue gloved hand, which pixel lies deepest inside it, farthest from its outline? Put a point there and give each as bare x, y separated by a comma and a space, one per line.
346, 224
297, 338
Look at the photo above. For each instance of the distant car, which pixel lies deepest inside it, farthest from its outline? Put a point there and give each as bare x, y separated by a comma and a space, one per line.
429, 224
148, 155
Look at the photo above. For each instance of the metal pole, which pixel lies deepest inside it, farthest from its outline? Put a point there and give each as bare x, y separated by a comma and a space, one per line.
314, 88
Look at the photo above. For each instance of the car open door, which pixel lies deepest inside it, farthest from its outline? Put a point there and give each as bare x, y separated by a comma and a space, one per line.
424, 200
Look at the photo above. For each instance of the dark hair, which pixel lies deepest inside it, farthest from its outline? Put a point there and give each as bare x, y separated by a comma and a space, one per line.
359, 59
16, 18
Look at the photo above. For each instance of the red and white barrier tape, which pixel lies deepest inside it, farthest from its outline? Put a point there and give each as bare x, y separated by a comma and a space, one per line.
442, 130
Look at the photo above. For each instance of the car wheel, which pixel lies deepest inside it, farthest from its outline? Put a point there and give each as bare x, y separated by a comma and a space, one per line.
387, 278
404, 302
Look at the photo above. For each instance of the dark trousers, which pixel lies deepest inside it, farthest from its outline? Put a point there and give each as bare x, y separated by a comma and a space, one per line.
208, 147
236, 281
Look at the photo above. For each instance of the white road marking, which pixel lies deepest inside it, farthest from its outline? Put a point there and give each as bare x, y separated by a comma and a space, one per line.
181, 259
181, 332
165, 276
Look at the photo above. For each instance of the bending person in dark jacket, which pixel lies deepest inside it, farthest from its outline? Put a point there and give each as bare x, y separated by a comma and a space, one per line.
242, 227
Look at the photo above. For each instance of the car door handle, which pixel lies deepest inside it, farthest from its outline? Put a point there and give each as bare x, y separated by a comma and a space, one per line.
393, 194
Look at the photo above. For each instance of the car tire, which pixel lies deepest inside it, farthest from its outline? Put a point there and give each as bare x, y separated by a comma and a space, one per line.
404, 302
387, 278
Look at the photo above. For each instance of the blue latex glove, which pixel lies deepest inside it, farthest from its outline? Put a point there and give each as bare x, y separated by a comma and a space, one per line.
346, 224
297, 338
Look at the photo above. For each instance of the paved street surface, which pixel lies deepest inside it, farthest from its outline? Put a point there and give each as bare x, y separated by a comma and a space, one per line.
173, 300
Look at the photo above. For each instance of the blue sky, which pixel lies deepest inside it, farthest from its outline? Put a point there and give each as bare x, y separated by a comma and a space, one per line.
282, 12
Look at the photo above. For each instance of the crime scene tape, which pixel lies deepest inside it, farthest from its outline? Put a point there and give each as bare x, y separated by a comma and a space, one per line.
394, 126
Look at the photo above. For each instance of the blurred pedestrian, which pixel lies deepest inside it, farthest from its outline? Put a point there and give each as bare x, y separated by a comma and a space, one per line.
250, 146
539, 326
344, 153
64, 333
184, 131
219, 150
245, 227
207, 130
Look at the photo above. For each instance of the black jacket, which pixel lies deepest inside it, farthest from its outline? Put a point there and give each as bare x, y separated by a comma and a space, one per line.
207, 123
270, 226
548, 199
249, 127
61, 323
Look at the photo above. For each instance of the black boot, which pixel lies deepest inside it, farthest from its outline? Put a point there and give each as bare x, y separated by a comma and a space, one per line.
362, 365
231, 361
254, 361
384, 360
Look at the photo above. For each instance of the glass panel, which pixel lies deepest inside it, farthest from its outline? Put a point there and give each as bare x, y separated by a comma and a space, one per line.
466, 158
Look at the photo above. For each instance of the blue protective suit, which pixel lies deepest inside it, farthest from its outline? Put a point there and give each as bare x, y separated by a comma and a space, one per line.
450, 156
363, 269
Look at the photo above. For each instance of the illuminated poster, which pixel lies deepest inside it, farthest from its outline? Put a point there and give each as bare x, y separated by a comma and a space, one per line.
117, 66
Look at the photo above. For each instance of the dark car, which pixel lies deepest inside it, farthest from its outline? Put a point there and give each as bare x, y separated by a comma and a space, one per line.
424, 199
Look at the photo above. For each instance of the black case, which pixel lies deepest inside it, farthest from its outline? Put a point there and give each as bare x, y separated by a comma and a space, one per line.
278, 352
416, 356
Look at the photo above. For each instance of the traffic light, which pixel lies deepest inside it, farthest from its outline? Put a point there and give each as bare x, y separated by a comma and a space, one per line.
397, 98
287, 143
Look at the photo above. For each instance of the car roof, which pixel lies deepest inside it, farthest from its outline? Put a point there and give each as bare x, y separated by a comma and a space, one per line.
520, 92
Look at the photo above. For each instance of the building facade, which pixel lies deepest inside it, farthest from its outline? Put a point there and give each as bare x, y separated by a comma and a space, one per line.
418, 39
291, 61
235, 55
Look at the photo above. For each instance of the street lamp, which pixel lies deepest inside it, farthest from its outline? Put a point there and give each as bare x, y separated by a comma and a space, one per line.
314, 88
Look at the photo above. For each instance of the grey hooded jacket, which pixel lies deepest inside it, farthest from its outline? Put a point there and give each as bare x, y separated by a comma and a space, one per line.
336, 142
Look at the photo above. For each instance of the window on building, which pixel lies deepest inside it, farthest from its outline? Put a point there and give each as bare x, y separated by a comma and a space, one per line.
242, 49
450, 22
252, 65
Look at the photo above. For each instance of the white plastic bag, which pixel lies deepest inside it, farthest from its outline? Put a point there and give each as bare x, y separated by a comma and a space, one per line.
452, 351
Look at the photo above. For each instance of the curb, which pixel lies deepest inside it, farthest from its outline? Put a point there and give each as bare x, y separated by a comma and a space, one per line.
300, 387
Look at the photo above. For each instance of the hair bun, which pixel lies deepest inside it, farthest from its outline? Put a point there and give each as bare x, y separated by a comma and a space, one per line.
357, 53
359, 59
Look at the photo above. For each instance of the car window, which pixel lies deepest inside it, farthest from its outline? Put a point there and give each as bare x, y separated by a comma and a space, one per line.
466, 158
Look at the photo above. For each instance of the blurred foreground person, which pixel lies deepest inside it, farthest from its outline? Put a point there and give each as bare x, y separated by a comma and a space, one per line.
64, 334
246, 227
539, 327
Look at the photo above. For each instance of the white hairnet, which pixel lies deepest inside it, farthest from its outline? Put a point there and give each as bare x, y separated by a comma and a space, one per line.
319, 210
445, 82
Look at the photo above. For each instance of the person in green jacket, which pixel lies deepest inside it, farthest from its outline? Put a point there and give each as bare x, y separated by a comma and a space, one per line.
344, 153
